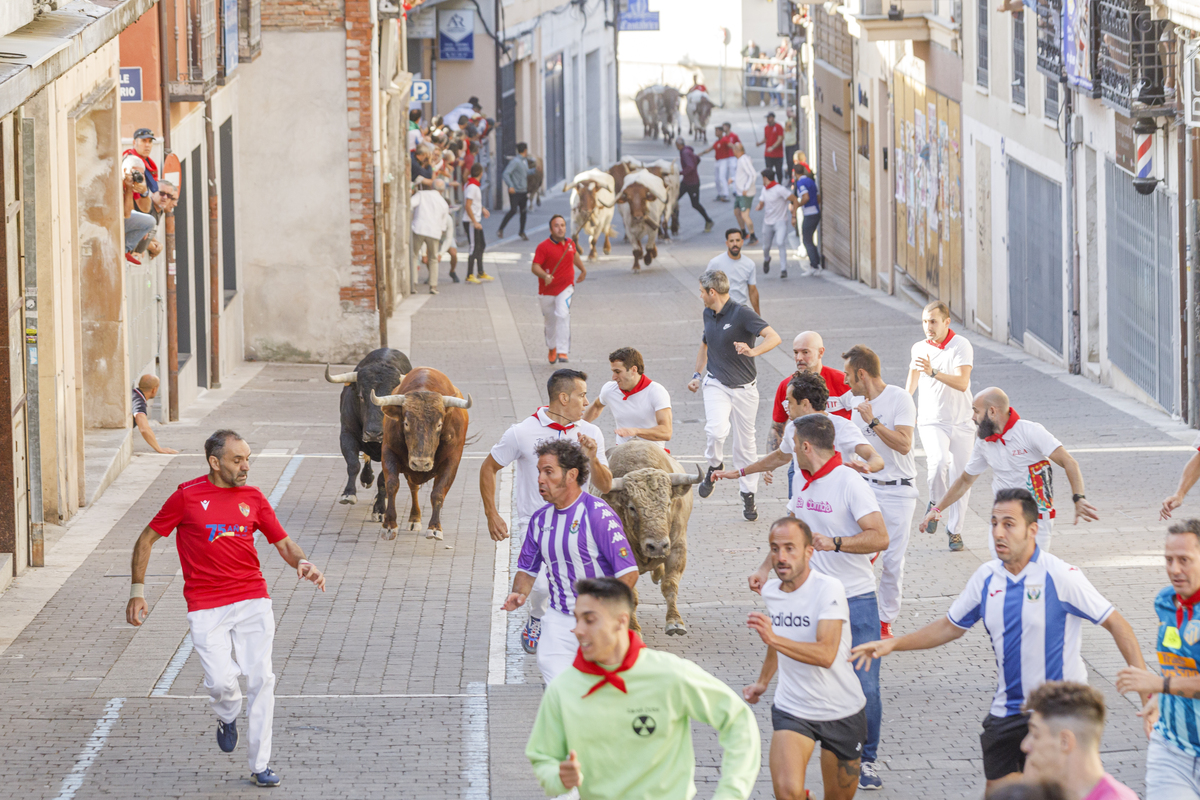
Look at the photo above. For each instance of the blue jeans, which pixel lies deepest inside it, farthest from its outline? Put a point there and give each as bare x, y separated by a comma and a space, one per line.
1170, 772
864, 627
137, 225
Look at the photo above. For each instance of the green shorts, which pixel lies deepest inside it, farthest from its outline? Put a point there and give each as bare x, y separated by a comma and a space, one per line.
742, 202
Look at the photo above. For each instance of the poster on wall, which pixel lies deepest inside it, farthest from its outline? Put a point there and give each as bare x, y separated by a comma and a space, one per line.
230, 18
456, 34
1078, 43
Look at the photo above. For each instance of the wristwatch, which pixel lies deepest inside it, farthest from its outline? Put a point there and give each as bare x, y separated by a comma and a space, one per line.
695, 375
1075, 498
874, 422
837, 544
933, 373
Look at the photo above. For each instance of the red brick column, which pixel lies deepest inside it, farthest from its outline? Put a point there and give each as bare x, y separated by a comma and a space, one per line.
361, 290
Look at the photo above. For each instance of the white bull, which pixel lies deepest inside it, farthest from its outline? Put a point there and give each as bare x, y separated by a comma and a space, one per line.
669, 169
642, 200
699, 108
592, 204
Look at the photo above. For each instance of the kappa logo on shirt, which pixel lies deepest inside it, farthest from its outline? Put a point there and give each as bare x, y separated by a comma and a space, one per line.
605, 514
613, 524
618, 537
204, 503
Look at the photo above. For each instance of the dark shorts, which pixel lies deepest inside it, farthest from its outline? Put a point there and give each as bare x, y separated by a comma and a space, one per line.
1001, 744
743, 202
842, 737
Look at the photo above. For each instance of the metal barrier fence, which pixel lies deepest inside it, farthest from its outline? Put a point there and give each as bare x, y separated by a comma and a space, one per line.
769, 79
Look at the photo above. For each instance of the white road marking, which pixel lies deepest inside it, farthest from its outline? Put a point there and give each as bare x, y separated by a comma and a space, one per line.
74, 780
174, 667
498, 644
284, 481
475, 758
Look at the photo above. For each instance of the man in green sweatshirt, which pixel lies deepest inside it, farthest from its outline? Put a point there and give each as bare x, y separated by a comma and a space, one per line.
617, 724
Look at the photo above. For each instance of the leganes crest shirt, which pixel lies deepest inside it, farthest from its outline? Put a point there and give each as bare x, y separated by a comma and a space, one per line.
216, 541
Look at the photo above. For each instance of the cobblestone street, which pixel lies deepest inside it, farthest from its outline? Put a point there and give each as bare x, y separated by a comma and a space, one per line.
402, 680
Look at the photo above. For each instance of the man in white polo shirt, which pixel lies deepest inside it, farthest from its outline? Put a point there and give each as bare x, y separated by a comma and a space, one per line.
888, 415
778, 205
739, 269
818, 699
562, 419
641, 407
941, 368
843, 515
1020, 453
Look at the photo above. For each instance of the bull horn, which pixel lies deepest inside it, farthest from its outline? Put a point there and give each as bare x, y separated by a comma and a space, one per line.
685, 479
456, 402
617, 484
343, 377
387, 399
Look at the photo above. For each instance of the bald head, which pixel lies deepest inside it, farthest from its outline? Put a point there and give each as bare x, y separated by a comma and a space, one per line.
990, 410
808, 348
148, 385
993, 397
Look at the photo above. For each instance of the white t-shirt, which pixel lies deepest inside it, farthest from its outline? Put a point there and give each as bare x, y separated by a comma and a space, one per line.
473, 193
429, 213
832, 506
415, 137
1020, 461
638, 410
804, 690
741, 276
519, 443
892, 407
775, 204
937, 402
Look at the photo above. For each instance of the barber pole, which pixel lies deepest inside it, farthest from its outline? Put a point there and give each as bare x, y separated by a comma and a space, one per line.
1143, 131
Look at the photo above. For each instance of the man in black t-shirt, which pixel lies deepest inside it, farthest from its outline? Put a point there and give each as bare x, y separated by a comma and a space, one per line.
146, 391
725, 368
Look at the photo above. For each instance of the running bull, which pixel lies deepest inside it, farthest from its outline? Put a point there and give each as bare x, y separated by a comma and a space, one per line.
362, 422
652, 495
424, 430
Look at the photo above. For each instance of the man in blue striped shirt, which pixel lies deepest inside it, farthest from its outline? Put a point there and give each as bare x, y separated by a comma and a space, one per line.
1033, 606
1172, 719
575, 535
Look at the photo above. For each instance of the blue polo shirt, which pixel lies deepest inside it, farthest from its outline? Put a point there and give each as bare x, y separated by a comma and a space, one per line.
1178, 651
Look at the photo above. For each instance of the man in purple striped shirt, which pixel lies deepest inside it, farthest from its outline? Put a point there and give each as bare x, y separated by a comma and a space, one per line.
575, 535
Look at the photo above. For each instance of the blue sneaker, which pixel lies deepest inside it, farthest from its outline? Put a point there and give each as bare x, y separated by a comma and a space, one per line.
868, 777
227, 735
530, 634
265, 778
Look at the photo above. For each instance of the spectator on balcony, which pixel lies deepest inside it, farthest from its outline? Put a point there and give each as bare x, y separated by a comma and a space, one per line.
139, 155
422, 173
138, 224
162, 201
147, 390
415, 137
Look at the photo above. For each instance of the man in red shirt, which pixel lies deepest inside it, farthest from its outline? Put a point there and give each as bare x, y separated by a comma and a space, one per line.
722, 150
554, 262
773, 153
228, 605
808, 349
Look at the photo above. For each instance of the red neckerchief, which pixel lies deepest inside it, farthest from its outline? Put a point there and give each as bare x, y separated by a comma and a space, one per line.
151, 167
809, 477
472, 181
769, 185
642, 383
1013, 416
590, 668
1185, 602
946, 341
554, 425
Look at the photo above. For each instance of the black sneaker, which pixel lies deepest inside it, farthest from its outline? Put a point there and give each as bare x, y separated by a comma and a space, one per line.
227, 735
752, 240
748, 509
783, 273
706, 485
766, 266
453, 276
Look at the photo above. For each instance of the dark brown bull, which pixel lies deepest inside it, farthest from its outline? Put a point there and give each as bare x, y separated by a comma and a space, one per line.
641, 203
424, 429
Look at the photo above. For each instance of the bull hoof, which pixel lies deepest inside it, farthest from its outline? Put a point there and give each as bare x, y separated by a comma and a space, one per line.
434, 533
376, 516
649, 258
676, 629
414, 525
387, 534
607, 249
348, 499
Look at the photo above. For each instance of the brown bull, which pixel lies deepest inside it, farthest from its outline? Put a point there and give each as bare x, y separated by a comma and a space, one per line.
424, 429
652, 495
641, 203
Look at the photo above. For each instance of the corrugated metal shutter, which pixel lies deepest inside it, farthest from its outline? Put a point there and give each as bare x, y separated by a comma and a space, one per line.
834, 183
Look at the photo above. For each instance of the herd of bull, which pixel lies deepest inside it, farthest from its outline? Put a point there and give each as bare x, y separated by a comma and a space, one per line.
413, 422
658, 106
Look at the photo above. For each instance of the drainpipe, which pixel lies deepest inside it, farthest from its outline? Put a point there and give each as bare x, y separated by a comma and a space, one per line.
377, 173
617, 71
172, 312
1185, 326
37, 522
1073, 265
1193, 358
214, 254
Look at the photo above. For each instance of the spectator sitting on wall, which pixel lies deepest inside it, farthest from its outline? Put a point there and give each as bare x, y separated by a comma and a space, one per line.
422, 173
146, 390
143, 143
138, 224
165, 199
415, 137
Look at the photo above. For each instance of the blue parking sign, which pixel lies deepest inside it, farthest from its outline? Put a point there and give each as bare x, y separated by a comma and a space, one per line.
422, 92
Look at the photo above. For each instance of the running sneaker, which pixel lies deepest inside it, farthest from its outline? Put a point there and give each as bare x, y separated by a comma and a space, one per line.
265, 778
708, 226
453, 276
483, 276
766, 266
553, 356
472, 279
885, 630
783, 273
748, 509
524, 238
530, 634
433, 290
227, 735
562, 358
956, 542
752, 240
868, 777
706, 485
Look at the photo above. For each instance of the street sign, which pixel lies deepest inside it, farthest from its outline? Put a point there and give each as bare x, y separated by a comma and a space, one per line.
456, 34
422, 92
638, 17
131, 84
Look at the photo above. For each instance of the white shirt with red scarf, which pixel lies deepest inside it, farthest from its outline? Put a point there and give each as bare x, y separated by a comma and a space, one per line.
776, 203
1020, 459
520, 443
638, 408
937, 402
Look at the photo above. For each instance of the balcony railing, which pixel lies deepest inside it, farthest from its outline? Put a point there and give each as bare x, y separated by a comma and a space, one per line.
197, 78
1049, 38
1138, 59
249, 29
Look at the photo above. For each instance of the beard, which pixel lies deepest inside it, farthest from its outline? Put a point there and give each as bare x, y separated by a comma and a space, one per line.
734, 252
986, 428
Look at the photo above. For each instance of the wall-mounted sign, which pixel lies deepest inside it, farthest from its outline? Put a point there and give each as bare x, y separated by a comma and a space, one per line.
637, 16
422, 25
1191, 84
229, 16
1079, 44
131, 84
456, 34
422, 92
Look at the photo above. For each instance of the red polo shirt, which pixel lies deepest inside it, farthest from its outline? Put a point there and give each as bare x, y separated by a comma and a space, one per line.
724, 146
559, 261
773, 138
835, 381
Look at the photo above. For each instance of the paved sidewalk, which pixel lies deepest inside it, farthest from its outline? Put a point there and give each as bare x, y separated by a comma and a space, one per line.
389, 684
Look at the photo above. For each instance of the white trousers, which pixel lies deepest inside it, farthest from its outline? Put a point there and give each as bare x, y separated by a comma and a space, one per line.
249, 626
557, 645
897, 504
538, 601
776, 235
727, 410
556, 313
947, 450
725, 168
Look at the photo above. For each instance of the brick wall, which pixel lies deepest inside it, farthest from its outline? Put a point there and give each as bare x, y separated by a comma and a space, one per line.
290, 15
361, 290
